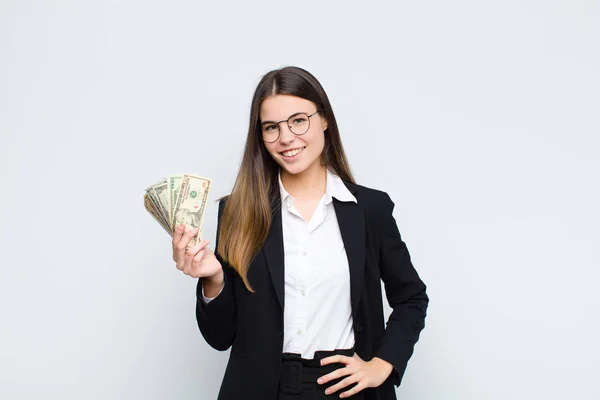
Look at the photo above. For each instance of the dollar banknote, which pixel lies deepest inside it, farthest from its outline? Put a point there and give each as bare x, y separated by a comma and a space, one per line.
150, 208
174, 182
159, 192
153, 198
179, 199
191, 203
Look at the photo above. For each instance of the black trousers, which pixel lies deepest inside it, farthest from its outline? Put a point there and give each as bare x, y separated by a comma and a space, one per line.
299, 377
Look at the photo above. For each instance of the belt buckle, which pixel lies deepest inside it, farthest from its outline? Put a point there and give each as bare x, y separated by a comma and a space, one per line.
291, 377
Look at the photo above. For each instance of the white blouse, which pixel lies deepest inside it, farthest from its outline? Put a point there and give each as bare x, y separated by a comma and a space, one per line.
318, 312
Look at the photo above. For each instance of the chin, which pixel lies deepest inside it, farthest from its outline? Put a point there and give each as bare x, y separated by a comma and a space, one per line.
294, 169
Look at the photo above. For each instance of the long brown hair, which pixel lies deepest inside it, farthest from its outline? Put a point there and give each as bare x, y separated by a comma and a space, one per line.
246, 218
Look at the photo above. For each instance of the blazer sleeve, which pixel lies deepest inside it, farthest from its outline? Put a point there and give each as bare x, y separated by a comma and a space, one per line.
406, 295
216, 319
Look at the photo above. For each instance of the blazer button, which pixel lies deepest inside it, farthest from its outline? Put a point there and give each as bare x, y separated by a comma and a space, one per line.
280, 334
358, 327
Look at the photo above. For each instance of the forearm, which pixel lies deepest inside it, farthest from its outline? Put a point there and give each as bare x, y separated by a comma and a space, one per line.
404, 326
216, 320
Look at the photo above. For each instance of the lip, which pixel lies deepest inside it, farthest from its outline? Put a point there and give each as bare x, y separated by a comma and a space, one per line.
294, 157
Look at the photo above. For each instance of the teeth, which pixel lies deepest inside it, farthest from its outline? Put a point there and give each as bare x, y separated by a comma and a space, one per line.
292, 152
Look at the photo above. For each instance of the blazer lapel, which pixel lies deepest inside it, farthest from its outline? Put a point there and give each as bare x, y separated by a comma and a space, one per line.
273, 250
351, 219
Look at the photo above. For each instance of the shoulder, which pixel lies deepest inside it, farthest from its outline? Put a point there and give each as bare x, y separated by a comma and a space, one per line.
375, 201
378, 208
222, 200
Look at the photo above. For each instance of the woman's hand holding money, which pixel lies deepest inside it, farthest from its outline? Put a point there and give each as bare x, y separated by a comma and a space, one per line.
198, 261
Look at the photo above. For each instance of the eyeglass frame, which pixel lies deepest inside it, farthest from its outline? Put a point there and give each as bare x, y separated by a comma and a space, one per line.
286, 120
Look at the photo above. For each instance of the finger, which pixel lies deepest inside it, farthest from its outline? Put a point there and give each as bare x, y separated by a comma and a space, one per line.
193, 270
189, 259
179, 230
199, 255
338, 373
182, 245
196, 252
338, 358
194, 238
177, 238
201, 252
358, 388
201, 245
341, 384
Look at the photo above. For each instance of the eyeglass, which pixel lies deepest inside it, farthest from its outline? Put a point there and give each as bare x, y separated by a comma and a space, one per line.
298, 123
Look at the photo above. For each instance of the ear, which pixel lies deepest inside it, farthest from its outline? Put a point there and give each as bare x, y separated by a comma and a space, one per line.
324, 122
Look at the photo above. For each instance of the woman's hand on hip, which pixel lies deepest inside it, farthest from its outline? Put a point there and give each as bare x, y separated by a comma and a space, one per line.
198, 261
365, 374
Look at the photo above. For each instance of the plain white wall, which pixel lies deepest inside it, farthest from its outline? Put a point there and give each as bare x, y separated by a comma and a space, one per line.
480, 119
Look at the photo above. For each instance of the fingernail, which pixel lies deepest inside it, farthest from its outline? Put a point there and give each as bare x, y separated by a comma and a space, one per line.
320, 380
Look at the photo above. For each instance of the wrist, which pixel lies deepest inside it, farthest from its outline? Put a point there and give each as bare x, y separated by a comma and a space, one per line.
383, 365
213, 284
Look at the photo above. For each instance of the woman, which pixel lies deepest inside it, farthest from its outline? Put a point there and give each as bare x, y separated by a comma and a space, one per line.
293, 286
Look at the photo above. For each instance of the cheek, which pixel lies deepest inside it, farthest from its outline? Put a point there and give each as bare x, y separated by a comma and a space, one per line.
273, 154
317, 142
270, 149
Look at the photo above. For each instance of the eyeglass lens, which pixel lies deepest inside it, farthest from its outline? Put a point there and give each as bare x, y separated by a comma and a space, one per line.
298, 124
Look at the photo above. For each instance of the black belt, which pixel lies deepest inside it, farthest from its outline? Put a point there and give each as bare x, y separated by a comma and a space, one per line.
300, 375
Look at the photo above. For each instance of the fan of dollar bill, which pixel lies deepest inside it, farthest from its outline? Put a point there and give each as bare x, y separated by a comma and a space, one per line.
179, 199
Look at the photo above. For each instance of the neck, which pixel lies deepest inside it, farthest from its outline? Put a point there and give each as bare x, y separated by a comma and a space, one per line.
310, 183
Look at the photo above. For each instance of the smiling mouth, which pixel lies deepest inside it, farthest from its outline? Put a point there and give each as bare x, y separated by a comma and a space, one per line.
293, 152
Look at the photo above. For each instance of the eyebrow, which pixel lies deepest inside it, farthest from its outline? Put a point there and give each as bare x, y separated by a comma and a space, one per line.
299, 112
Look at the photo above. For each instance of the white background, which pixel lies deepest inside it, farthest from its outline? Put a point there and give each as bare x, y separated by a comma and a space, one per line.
479, 118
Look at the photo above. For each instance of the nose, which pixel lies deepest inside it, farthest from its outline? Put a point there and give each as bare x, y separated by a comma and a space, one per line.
285, 134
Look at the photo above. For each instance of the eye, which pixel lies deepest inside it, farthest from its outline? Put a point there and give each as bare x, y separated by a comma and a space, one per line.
268, 128
299, 120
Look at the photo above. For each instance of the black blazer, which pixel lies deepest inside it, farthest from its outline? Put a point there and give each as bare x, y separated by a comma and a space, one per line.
252, 323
